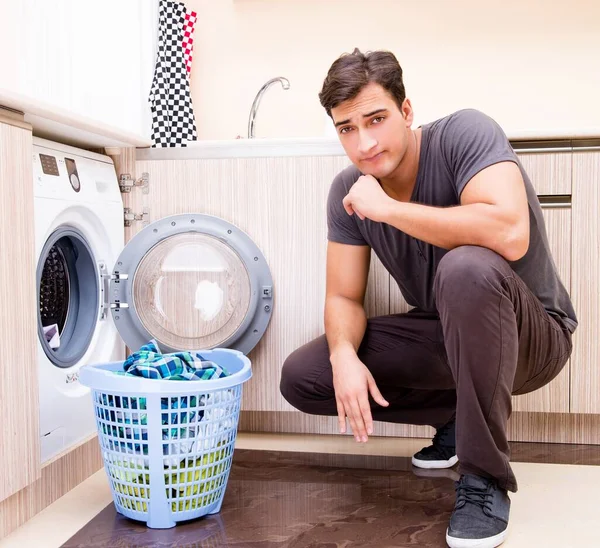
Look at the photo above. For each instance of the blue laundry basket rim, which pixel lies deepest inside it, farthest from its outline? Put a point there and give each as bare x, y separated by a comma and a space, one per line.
102, 378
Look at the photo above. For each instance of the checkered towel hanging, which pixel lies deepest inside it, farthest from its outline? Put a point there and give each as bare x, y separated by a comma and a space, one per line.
173, 121
188, 38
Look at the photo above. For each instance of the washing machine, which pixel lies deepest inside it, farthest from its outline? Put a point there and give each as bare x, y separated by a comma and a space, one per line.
190, 282
79, 233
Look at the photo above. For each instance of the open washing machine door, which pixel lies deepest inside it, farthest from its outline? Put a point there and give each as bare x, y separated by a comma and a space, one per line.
191, 282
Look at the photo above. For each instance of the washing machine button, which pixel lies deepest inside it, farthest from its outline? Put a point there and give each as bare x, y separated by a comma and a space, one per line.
75, 182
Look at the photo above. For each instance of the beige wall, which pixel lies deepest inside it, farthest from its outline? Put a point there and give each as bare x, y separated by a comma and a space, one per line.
531, 64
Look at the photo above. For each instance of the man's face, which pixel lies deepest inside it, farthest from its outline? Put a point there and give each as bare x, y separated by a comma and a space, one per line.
373, 130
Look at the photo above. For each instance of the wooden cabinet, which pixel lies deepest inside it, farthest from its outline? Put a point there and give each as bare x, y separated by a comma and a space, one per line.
574, 237
549, 171
246, 192
550, 175
554, 397
280, 203
19, 410
585, 377
92, 59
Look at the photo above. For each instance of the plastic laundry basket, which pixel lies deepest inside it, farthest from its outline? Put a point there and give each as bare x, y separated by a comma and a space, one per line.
167, 445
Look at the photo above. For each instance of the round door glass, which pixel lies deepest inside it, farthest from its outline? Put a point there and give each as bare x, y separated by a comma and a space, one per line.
191, 291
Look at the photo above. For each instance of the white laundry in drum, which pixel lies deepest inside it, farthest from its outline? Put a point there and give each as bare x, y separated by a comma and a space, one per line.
52, 336
209, 300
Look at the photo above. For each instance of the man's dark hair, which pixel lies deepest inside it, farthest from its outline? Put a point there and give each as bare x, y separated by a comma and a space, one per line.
351, 72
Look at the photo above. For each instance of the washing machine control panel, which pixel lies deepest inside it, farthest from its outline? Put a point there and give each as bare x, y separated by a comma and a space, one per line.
49, 165
71, 175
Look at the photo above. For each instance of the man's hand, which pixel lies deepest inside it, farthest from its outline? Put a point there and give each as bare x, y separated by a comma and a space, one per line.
353, 382
367, 199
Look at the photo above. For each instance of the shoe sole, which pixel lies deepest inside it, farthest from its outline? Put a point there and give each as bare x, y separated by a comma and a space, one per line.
490, 542
432, 464
448, 473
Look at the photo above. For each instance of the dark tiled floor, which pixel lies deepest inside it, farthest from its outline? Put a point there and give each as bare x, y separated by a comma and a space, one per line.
302, 500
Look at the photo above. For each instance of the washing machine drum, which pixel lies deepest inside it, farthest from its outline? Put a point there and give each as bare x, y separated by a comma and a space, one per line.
191, 282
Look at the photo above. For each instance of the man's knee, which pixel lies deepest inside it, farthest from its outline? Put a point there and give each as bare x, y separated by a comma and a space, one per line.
297, 382
469, 270
291, 378
293, 385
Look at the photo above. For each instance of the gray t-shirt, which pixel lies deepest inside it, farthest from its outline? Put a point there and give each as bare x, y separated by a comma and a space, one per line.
453, 150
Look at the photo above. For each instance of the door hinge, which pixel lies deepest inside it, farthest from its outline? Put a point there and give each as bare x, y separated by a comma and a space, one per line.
106, 278
126, 183
105, 289
129, 216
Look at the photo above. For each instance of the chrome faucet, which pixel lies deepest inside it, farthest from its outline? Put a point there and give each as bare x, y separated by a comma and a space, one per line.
285, 84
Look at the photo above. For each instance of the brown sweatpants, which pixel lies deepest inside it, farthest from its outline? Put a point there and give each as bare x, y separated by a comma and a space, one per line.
490, 338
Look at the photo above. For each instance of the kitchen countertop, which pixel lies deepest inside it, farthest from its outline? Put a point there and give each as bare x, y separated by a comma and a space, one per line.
60, 125
330, 146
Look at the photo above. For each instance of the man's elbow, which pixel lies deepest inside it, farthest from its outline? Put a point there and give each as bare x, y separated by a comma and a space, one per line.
516, 243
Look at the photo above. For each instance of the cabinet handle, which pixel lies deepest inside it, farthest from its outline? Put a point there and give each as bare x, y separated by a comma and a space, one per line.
553, 201
563, 145
587, 148
541, 150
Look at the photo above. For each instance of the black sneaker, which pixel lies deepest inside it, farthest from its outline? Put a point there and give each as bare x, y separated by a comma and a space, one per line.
480, 517
442, 453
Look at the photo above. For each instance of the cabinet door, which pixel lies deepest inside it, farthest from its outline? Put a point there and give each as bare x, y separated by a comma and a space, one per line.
550, 172
554, 397
19, 409
585, 378
92, 59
